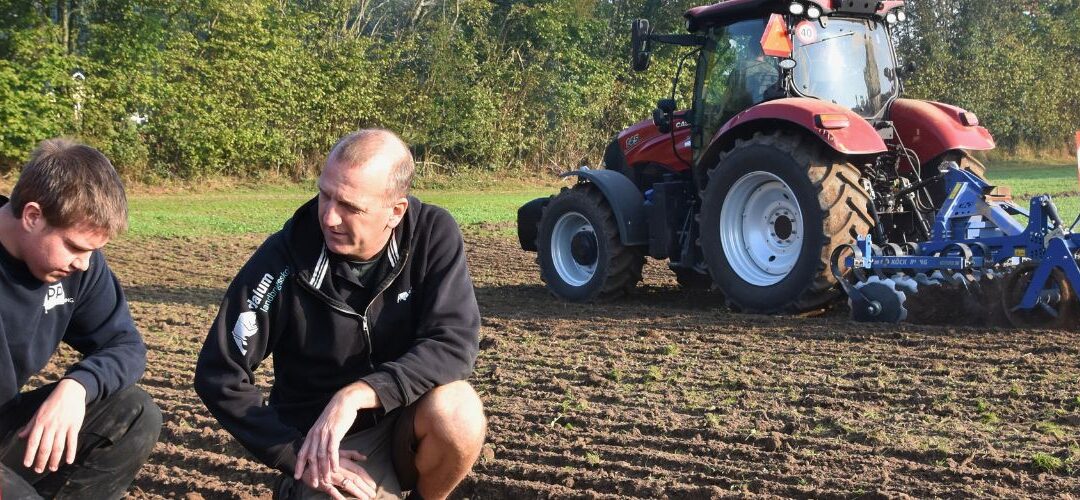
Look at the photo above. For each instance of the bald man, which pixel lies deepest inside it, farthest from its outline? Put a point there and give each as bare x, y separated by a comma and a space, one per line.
364, 300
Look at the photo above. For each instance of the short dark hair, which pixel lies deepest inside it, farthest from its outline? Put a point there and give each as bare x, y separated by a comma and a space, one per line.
74, 184
358, 147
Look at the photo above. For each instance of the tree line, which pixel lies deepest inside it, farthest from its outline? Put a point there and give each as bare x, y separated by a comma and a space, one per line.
196, 88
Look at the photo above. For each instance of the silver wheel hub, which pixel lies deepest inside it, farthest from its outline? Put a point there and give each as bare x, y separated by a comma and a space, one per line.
574, 249
761, 228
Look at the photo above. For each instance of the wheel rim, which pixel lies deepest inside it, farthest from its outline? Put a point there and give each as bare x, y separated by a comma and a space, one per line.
761, 228
574, 249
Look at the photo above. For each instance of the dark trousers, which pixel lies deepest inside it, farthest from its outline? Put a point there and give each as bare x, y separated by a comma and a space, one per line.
116, 438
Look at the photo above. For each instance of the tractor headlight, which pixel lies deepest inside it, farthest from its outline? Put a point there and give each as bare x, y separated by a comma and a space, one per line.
796, 8
813, 12
901, 16
890, 18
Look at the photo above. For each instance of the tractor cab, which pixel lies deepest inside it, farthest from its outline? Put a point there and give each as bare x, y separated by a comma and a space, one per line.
753, 51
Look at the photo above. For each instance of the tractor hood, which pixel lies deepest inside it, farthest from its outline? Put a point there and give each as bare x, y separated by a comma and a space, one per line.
725, 12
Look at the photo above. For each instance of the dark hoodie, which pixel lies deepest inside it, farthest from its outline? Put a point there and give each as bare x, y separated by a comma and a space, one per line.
85, 310
420, 330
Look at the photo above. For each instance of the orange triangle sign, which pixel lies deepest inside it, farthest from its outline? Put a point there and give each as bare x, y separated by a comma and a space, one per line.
776, 41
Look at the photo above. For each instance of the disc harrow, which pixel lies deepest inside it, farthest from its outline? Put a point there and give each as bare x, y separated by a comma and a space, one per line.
981, 266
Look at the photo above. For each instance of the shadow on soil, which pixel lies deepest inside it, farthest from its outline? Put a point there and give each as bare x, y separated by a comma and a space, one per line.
188, 295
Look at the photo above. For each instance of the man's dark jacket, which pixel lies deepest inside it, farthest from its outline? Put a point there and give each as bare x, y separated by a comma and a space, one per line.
419, 331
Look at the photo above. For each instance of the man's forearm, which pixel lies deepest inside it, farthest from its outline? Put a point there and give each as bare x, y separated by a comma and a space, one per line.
360, 395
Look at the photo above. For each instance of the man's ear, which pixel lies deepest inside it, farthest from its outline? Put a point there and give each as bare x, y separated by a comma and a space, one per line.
397, 212
32, 218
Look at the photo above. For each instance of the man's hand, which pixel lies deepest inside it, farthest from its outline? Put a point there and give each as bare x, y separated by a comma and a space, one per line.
352, 478
53, 432
319, 453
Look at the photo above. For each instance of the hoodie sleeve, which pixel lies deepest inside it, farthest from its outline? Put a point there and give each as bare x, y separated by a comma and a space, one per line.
241, 337
102, 330
448, 332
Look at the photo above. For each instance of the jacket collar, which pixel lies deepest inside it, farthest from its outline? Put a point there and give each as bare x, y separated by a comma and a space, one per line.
307, 248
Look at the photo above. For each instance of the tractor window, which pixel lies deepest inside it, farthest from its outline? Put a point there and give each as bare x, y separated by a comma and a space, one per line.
737, 73
844, 61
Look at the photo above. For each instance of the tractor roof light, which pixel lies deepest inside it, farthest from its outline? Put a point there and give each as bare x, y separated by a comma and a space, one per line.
796, 8
813, 12
890, 18
901, 16
832, 121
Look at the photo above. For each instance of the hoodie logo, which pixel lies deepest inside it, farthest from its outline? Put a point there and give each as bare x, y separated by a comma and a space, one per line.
55, 297
246, 326
403, 296
268, 288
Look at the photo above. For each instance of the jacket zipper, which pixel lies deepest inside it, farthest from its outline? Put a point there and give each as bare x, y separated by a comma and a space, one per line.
363, 317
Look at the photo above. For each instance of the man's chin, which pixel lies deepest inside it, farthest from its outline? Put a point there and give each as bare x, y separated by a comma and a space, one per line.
337, 248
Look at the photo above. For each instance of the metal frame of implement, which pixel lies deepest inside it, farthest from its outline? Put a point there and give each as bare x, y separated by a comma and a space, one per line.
971, 233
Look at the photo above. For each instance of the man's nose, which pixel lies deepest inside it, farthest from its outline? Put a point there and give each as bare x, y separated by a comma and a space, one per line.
81, 263
331, 217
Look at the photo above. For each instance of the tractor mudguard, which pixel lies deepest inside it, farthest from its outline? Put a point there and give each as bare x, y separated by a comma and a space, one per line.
932, 128
857, 138
626, 202
528, 221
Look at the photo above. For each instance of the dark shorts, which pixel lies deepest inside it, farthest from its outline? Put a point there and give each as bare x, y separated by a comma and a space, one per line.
390, 448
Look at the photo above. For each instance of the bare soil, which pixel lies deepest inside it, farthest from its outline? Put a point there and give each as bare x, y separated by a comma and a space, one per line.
663, 394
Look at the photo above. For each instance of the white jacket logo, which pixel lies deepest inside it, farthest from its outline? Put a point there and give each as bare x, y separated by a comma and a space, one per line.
56, 297
246, 326
403, 296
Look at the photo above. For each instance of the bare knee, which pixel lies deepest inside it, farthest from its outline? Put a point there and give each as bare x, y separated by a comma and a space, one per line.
453, 416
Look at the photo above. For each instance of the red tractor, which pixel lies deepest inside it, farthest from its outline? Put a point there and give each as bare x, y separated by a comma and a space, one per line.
796, 141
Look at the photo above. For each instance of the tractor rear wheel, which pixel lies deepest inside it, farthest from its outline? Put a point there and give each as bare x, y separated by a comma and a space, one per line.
775, 207
578, 248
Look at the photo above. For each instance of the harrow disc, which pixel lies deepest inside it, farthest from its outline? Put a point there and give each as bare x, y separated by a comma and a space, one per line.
881, 302
1056, 307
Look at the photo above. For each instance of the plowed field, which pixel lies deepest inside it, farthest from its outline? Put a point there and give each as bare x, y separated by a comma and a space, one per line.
665, 393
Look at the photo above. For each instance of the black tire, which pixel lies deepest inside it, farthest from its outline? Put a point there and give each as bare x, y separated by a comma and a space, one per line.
564, 265
691, 279
963, 159
833, 207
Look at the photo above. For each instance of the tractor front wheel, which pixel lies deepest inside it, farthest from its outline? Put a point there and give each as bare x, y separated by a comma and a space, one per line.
775, 207
578, 248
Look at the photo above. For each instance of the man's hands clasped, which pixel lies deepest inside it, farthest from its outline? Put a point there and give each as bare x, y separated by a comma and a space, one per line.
321, 464
351, 478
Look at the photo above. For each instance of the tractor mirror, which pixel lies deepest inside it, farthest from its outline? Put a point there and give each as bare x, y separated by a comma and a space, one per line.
788, 64
666, 105
660, 119
639, 44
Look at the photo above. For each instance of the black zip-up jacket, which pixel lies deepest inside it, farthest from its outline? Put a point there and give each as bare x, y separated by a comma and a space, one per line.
423, 317
85, 310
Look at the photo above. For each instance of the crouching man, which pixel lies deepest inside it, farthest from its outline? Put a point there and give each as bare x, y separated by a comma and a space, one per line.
87, 435
365, 302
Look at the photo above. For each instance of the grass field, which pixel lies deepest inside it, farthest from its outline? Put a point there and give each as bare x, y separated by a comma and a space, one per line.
1028, 179
264, 209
